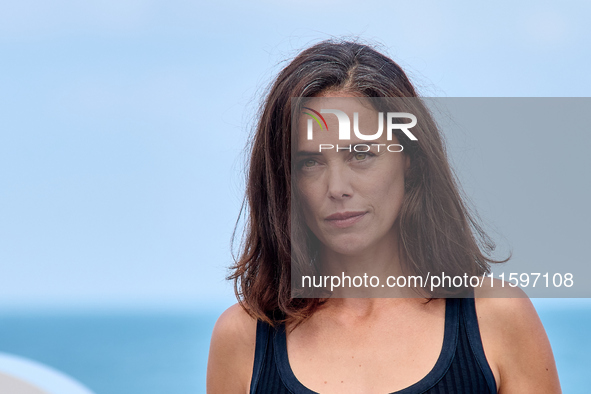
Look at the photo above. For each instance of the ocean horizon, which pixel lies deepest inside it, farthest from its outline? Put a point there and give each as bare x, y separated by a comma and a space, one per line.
156, 352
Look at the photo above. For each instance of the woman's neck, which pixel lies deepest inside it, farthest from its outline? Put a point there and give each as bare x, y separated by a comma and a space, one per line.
372, 267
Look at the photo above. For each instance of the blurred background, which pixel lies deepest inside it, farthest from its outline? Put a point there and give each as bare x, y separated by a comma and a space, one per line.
122, 133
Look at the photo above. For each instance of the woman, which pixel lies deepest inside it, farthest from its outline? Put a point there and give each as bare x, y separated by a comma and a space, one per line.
351, 210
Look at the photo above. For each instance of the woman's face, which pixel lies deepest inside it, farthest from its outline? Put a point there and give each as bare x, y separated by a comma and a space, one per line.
350, 199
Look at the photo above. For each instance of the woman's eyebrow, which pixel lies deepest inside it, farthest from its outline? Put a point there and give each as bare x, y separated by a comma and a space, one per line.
344, 148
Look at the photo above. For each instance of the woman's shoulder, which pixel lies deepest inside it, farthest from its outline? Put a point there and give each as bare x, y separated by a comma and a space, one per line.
514, 340
236, 325
499, 304
231, 352
507, 309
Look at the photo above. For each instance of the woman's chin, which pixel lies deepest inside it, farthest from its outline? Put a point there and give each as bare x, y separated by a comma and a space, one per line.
352, 248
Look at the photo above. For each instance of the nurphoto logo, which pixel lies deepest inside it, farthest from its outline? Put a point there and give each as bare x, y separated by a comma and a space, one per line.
345, 128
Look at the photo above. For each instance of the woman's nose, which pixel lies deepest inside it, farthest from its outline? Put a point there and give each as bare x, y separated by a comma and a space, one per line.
339, 183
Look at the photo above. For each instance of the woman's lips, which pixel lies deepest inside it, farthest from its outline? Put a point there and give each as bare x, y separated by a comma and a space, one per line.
344, 219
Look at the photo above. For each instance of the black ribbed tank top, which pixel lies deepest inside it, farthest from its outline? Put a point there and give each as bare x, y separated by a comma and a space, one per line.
460, 369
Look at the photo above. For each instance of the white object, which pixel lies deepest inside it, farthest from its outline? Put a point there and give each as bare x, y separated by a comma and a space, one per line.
19, 375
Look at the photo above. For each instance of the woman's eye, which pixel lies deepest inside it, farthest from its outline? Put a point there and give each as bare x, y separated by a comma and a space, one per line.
360, 156
309, 163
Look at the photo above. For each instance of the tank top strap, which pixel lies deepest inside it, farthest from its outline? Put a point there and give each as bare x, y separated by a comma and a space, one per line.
446, 355
262, 341
470, 320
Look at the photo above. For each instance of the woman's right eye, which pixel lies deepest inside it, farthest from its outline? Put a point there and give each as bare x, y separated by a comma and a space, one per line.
307, 163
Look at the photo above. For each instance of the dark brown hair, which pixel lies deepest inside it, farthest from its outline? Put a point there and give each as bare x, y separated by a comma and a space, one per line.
437, 230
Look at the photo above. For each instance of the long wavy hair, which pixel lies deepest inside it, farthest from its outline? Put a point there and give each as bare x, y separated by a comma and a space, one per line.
438, 231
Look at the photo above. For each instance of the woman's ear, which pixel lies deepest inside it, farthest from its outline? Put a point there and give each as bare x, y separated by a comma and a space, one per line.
406, 163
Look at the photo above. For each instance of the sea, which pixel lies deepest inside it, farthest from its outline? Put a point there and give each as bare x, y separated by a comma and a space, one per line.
164, 352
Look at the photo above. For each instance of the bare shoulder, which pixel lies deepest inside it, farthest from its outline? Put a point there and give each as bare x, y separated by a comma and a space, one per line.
231, 352
514, 341
235, 325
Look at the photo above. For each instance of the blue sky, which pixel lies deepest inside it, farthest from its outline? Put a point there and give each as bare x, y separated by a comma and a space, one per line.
123, 123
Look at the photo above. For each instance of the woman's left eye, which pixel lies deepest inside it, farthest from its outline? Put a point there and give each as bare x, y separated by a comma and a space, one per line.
361, 156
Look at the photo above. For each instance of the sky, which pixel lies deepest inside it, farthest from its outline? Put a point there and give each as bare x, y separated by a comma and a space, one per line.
123, 126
